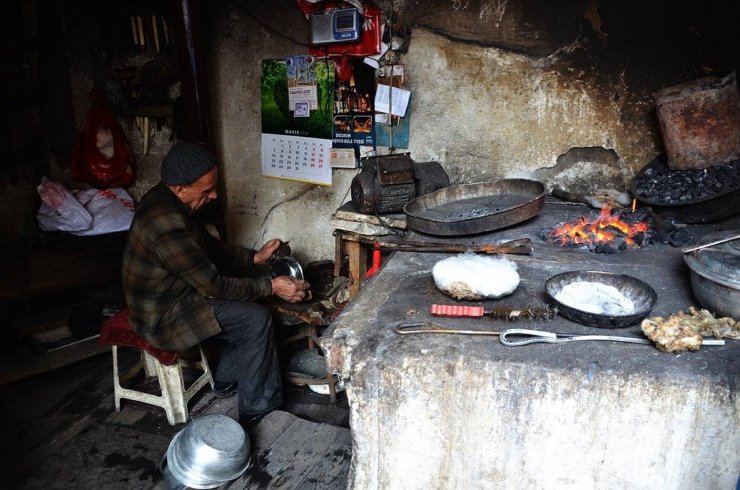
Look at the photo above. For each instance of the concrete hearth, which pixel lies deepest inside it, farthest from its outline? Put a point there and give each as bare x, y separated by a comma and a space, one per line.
450, 411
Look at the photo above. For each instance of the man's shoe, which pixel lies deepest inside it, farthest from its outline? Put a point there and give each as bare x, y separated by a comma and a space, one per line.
224, 389
250, 422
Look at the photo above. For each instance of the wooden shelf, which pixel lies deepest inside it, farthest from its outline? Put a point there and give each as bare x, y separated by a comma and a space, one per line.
39, 294
52, 273
18, 369
63, 264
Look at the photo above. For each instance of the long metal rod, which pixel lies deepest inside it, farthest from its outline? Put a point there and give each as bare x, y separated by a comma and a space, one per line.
520, 247
717, 242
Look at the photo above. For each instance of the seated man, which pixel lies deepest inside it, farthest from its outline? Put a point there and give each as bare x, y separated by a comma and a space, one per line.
177, 292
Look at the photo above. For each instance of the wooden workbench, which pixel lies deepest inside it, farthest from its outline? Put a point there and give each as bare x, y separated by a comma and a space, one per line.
355, 233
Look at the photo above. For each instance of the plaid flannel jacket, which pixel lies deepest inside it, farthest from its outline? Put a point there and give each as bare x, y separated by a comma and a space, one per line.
171, 264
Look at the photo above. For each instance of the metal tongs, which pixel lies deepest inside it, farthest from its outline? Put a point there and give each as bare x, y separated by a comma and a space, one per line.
516, 336
520, 336
405, 328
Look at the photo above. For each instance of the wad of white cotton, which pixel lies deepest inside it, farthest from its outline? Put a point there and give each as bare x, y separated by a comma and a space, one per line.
471, 276
595, 297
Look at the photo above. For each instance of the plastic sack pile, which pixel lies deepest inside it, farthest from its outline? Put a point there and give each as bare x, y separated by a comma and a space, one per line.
89, 212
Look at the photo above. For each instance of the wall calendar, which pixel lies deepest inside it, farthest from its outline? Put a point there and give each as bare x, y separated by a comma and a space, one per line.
297, 103
296, 158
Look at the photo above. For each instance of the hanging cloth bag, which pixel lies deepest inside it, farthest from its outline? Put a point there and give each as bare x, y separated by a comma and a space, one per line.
101, 155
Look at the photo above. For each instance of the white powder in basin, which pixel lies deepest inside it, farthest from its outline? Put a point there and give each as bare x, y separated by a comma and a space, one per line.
471, 276
595, 297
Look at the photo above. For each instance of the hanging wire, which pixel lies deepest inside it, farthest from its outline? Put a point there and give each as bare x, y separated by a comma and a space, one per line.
392, 148
270, 28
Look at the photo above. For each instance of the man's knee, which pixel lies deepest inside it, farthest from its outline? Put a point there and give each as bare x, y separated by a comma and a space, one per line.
262, 318
254, 320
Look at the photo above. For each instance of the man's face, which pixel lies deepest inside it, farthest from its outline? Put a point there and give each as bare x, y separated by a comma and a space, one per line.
200, 192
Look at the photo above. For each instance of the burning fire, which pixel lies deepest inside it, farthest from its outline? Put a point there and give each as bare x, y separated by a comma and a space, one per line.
605, 229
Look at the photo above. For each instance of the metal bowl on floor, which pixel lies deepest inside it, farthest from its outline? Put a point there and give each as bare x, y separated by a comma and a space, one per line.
310, 365
640, 294
208, 452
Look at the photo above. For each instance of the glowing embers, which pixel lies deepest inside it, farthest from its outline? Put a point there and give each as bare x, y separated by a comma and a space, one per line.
609, 232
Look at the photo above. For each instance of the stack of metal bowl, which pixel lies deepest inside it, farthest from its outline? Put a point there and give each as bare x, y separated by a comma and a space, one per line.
208, 452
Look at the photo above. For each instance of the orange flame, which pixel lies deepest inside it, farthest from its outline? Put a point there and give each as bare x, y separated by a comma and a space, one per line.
601, 230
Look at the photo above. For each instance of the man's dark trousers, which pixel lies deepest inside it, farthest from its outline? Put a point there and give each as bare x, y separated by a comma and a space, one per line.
249, 356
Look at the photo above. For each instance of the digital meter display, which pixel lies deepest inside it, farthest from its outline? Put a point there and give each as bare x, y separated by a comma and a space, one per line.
345, 21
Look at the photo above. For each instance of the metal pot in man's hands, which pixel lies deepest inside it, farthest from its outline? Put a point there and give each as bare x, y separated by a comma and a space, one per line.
287, 266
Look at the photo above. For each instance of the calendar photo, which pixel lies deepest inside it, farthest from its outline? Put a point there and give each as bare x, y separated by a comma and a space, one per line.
297, 134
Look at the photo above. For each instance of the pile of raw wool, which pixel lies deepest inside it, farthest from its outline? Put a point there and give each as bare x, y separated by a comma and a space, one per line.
682, 331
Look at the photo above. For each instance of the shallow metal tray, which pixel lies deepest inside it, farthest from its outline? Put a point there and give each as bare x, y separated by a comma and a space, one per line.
642, 295
468, 209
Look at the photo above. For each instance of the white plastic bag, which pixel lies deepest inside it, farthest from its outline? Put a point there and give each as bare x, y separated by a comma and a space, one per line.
112, 210
60, 210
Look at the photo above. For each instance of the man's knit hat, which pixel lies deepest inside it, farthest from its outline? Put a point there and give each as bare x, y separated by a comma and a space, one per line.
185, 162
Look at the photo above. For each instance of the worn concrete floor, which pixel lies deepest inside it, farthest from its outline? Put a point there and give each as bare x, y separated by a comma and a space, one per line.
60, 430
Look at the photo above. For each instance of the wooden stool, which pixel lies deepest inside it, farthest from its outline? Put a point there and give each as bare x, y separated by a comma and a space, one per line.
164, 365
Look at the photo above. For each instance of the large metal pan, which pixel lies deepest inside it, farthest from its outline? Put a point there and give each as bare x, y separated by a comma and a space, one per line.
467, 209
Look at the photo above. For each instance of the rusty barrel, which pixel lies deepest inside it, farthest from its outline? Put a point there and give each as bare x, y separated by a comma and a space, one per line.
700, 122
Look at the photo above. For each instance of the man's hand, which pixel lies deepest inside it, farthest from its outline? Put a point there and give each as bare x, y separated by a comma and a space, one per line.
264, 254
290, 289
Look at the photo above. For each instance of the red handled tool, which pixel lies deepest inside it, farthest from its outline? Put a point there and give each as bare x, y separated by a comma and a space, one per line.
500, 312
376, 261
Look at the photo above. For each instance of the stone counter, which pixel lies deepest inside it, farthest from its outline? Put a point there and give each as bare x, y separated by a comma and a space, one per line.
466, 412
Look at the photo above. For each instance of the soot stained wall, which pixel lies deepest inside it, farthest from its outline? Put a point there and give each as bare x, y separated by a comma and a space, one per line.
500, 89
